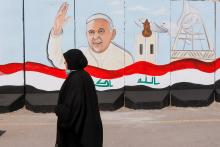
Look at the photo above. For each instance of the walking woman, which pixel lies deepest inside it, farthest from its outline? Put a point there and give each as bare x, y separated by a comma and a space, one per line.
79, 123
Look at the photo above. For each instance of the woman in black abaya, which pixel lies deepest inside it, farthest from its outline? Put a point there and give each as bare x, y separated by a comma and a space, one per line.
79, 123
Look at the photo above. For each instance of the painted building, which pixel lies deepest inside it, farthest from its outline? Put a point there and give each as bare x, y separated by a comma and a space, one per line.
146, 48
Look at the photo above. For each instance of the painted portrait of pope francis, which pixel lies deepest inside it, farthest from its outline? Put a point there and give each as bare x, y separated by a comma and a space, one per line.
102, 51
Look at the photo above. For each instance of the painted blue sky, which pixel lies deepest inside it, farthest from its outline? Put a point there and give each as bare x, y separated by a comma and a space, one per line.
40, 14
11, 40
39, 19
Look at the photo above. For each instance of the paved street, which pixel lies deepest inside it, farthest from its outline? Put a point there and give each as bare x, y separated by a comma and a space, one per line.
169, 127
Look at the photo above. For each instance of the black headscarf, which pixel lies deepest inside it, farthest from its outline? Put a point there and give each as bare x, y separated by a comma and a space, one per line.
75, 59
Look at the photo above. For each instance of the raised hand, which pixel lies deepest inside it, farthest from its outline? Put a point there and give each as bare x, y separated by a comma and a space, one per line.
60, 19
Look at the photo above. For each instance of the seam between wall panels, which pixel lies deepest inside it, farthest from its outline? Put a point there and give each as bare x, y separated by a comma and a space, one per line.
124, 89
24, 51
74, 23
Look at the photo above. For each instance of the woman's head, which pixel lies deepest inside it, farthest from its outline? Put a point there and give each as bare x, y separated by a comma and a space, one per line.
75, 60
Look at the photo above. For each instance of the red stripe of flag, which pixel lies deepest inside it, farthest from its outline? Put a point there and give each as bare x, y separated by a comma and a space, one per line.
141, 67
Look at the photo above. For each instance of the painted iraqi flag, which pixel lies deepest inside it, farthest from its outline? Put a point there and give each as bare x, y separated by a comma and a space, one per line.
140, 73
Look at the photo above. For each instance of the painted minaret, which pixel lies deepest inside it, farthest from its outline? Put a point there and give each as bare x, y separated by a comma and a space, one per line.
145, 44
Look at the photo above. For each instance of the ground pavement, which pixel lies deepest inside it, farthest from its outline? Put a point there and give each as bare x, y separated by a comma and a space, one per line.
168, 127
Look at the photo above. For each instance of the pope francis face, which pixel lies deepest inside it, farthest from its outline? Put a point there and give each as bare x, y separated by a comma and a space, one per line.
99, 35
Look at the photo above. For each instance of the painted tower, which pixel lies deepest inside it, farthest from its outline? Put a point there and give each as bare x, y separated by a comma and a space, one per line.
146, 45
146, 48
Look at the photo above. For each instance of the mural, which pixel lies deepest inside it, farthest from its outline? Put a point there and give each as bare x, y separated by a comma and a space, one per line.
142, 54
11, 56
193, 46
100, 34
43, 79
38, 32
147, 37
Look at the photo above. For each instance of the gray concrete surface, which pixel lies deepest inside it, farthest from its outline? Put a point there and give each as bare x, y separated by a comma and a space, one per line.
168, 127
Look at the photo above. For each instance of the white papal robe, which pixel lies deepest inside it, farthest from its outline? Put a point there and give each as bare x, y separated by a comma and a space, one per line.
113, 58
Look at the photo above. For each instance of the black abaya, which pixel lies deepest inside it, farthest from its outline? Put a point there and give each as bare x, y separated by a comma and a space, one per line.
79, 123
